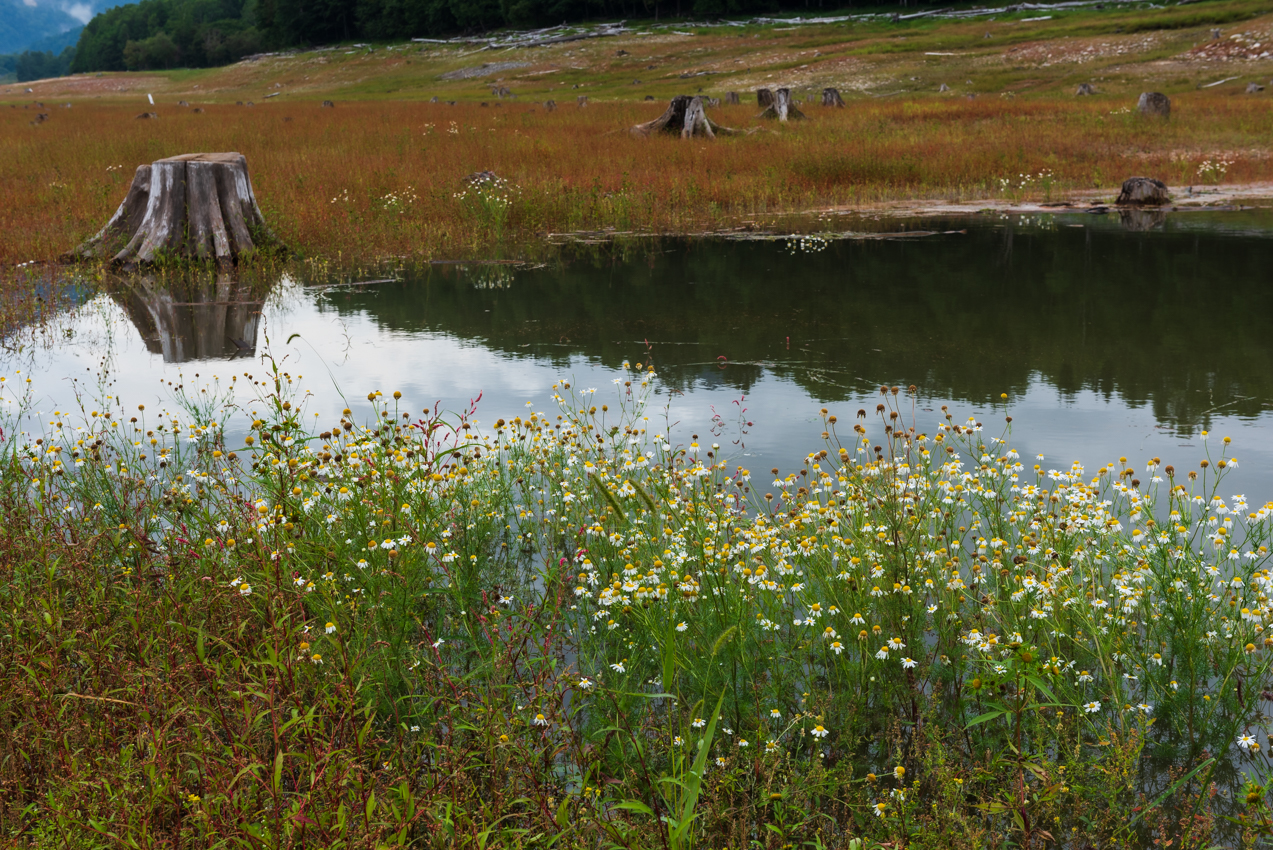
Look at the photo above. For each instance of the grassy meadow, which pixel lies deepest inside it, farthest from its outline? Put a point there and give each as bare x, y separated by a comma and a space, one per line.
381, 174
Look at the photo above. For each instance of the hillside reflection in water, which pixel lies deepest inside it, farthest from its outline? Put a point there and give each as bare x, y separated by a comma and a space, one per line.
1108, 341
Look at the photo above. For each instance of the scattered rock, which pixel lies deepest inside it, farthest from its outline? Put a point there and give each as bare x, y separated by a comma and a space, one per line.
1085, 89
621, 53
1154, 103
649, 97
1143, 191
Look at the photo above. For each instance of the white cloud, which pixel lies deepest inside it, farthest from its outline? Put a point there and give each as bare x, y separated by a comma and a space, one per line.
30, 3
82, 12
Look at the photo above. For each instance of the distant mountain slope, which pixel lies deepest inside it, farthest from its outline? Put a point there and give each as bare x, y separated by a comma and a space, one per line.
46, 25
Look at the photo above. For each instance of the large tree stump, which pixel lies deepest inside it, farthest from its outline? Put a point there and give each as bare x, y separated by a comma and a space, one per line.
831, 97
764, 97
782, 108
1143, 191
684, 117
195, 206
1154, 103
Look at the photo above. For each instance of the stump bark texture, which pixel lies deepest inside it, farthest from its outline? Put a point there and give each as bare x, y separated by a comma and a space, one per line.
782, 108
831, 97
1143, 191
196, 206
764, 97
1154, 103
686, 117
732, 98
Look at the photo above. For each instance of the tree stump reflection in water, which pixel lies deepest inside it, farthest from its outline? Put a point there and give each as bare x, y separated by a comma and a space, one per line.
192, 319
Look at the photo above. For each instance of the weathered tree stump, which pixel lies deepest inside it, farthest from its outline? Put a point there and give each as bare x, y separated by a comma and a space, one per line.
1143, 191
145, 116
196, 206
550, 105
943, 88
782, 108
327, 104
684, 117
1254, 88
582, 100
1085, 89
764, 97
1154, 103
732, 98
831, 97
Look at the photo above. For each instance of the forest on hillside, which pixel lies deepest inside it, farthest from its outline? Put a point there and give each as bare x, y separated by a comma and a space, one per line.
156, 34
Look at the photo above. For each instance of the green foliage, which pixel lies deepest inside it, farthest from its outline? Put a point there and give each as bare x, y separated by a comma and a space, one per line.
33, 65
157, 34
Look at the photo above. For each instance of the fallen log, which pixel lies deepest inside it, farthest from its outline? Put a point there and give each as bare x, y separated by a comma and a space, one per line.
782, 108
194, 206
686, 117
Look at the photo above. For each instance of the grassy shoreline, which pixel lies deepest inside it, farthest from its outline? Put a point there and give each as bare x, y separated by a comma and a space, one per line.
560, 630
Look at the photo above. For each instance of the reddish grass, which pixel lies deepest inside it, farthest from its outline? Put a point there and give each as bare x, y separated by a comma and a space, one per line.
577, 169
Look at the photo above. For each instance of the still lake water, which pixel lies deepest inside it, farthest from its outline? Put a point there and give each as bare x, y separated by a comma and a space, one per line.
1108, 339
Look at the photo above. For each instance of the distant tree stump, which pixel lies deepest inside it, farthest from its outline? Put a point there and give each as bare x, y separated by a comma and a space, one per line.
764, 97
327, 104
1154, 103
684, 117
782, 108
143, 116
550, 105
1143, 191
831, 97
943, 88
1085, 89
196, 206
582, 100
1254, 88
732, 98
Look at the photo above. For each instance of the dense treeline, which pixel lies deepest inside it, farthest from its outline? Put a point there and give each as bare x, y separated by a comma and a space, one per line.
36, 64
195, 33
168, 34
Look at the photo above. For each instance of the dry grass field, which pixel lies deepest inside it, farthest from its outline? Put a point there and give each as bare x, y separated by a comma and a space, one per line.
381, 174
